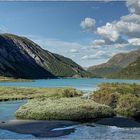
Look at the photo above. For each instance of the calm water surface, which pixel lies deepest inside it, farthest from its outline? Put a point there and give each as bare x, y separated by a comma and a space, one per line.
87, 84
83, 131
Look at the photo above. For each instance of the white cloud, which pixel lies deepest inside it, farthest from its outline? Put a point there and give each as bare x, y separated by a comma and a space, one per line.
116, 30
57, 44
96, 44
134, 6
61, 43
88, 57
85, 57
97, 55
131, 18
119, 45
65, 48
128, 26
134, 41
74, 51
108, 32
88, 24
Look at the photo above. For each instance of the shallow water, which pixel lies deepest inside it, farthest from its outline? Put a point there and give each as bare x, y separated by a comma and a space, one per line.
8, 109
4, 134
102, 132
83, 131
7, 112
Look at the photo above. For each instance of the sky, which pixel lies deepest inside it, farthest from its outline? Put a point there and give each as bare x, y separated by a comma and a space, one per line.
90, 33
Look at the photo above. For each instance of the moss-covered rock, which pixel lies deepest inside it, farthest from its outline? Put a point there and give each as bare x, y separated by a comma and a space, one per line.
75, 109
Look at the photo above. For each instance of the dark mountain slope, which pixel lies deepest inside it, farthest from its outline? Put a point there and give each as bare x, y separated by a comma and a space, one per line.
22, 58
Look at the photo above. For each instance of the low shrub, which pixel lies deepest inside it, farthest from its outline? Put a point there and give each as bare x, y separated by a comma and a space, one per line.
75, 109
70, 92
122, 88
109, 99
124, 98
129, 105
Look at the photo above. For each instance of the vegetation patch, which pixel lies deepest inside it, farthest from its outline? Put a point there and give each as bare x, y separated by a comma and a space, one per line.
75, 109
124, 98
19, 93
132, 71
129, 105
106, 98
10, 79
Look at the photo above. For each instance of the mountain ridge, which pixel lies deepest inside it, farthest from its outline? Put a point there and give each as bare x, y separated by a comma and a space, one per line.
132, 71
22, 58
115, 64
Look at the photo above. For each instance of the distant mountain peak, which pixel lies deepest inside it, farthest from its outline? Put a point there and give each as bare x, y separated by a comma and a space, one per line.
115, 64
132, 71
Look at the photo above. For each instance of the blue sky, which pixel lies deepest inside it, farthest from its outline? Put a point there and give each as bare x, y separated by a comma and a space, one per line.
56, 26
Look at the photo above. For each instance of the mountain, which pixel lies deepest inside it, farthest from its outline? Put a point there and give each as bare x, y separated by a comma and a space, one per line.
132, 71
22, 58
115, 64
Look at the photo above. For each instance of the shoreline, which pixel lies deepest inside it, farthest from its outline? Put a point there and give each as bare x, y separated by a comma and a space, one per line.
122, 122
39, 128
58, 128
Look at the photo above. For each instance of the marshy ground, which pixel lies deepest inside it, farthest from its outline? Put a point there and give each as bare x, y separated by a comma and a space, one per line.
64, 104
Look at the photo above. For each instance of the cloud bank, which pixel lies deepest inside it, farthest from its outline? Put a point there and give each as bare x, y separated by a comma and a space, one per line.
127, 27
121, 35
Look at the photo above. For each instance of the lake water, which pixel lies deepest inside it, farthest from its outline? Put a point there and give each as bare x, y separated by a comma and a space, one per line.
86, 84
83, 131
8, 109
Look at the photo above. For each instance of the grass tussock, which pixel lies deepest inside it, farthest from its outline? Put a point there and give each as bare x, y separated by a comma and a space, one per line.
124, 98
75, 109
109, 99
17, 93
129, 105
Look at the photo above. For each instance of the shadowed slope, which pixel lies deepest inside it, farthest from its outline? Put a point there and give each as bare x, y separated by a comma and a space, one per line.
22, 58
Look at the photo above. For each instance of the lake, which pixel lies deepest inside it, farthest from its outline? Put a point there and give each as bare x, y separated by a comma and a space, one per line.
85, 84
82, 131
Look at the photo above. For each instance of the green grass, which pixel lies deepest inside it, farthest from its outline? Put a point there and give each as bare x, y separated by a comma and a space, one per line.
124, 98
20, 93
75, 109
